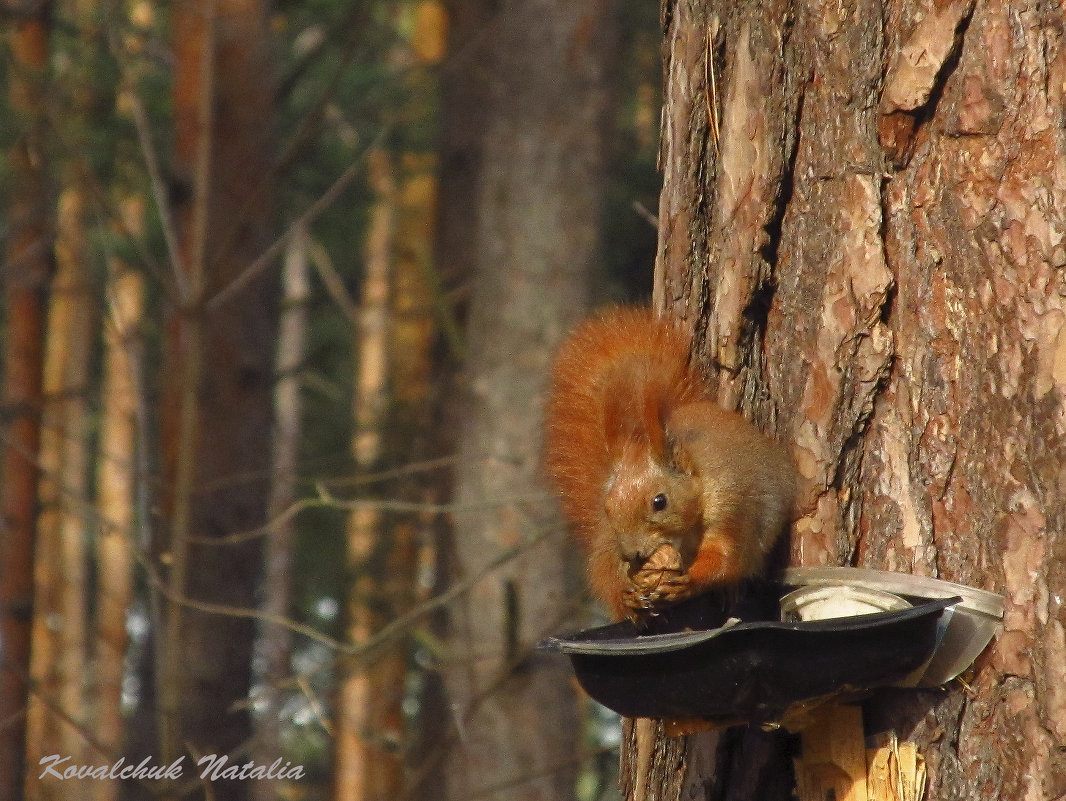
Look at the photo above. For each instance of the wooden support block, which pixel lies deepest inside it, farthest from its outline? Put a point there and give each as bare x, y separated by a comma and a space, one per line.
897, 771
832, 766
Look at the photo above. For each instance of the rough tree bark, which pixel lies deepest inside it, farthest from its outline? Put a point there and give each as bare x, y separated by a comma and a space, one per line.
871, 254
534, 241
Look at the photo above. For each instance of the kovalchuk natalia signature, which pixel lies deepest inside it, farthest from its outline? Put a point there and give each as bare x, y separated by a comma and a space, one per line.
212, 767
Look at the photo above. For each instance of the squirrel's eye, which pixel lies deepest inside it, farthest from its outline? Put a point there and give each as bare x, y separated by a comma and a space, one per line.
658, 503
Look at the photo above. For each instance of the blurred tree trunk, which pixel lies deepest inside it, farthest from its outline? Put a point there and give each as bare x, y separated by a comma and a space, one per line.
27, 268
464, 115
275, 642
61, 594
422, 332
869, 243
365, 757
400, 322
535, 244
219, 363
116, 491
463, 89
397, 329
60, 659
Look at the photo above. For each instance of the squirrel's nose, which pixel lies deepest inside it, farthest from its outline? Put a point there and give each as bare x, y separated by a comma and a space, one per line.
635, 549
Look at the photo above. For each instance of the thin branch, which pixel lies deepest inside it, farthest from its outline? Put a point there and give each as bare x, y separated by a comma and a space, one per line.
268, 256
326, 500
642, 211
412, 468
379, 639
110, 218
355, 26
316, 705
351, 26
151, 160
225, 610
407, 620
242, 477
202, 176
34, 688
334, 284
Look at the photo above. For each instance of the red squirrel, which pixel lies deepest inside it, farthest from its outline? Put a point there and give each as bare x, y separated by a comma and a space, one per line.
670, 493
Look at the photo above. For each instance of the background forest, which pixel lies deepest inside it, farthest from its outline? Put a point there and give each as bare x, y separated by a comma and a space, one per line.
279, 284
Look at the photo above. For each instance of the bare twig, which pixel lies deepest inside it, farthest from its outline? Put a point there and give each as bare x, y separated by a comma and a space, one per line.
309, 216
151, 159
326, 500
334, 284
354, 26
412, 468
379, 639
642, 210
454, 734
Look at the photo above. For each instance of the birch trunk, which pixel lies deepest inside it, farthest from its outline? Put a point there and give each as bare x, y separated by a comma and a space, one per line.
275, 642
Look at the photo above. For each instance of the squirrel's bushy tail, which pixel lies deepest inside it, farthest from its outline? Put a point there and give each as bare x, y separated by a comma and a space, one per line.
615, 379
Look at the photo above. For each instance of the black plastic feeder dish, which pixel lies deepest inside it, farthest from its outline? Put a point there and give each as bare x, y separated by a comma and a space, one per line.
767, 671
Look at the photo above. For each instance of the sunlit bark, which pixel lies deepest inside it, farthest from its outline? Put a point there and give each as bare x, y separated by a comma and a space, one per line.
364, 765
59, 660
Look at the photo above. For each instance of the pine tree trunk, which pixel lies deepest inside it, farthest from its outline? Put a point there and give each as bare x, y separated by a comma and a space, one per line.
61, 591
216, 411
871, 256
464, 92
27, 269
364, 764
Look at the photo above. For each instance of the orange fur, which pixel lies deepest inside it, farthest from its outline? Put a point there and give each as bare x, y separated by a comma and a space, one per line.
629, 421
